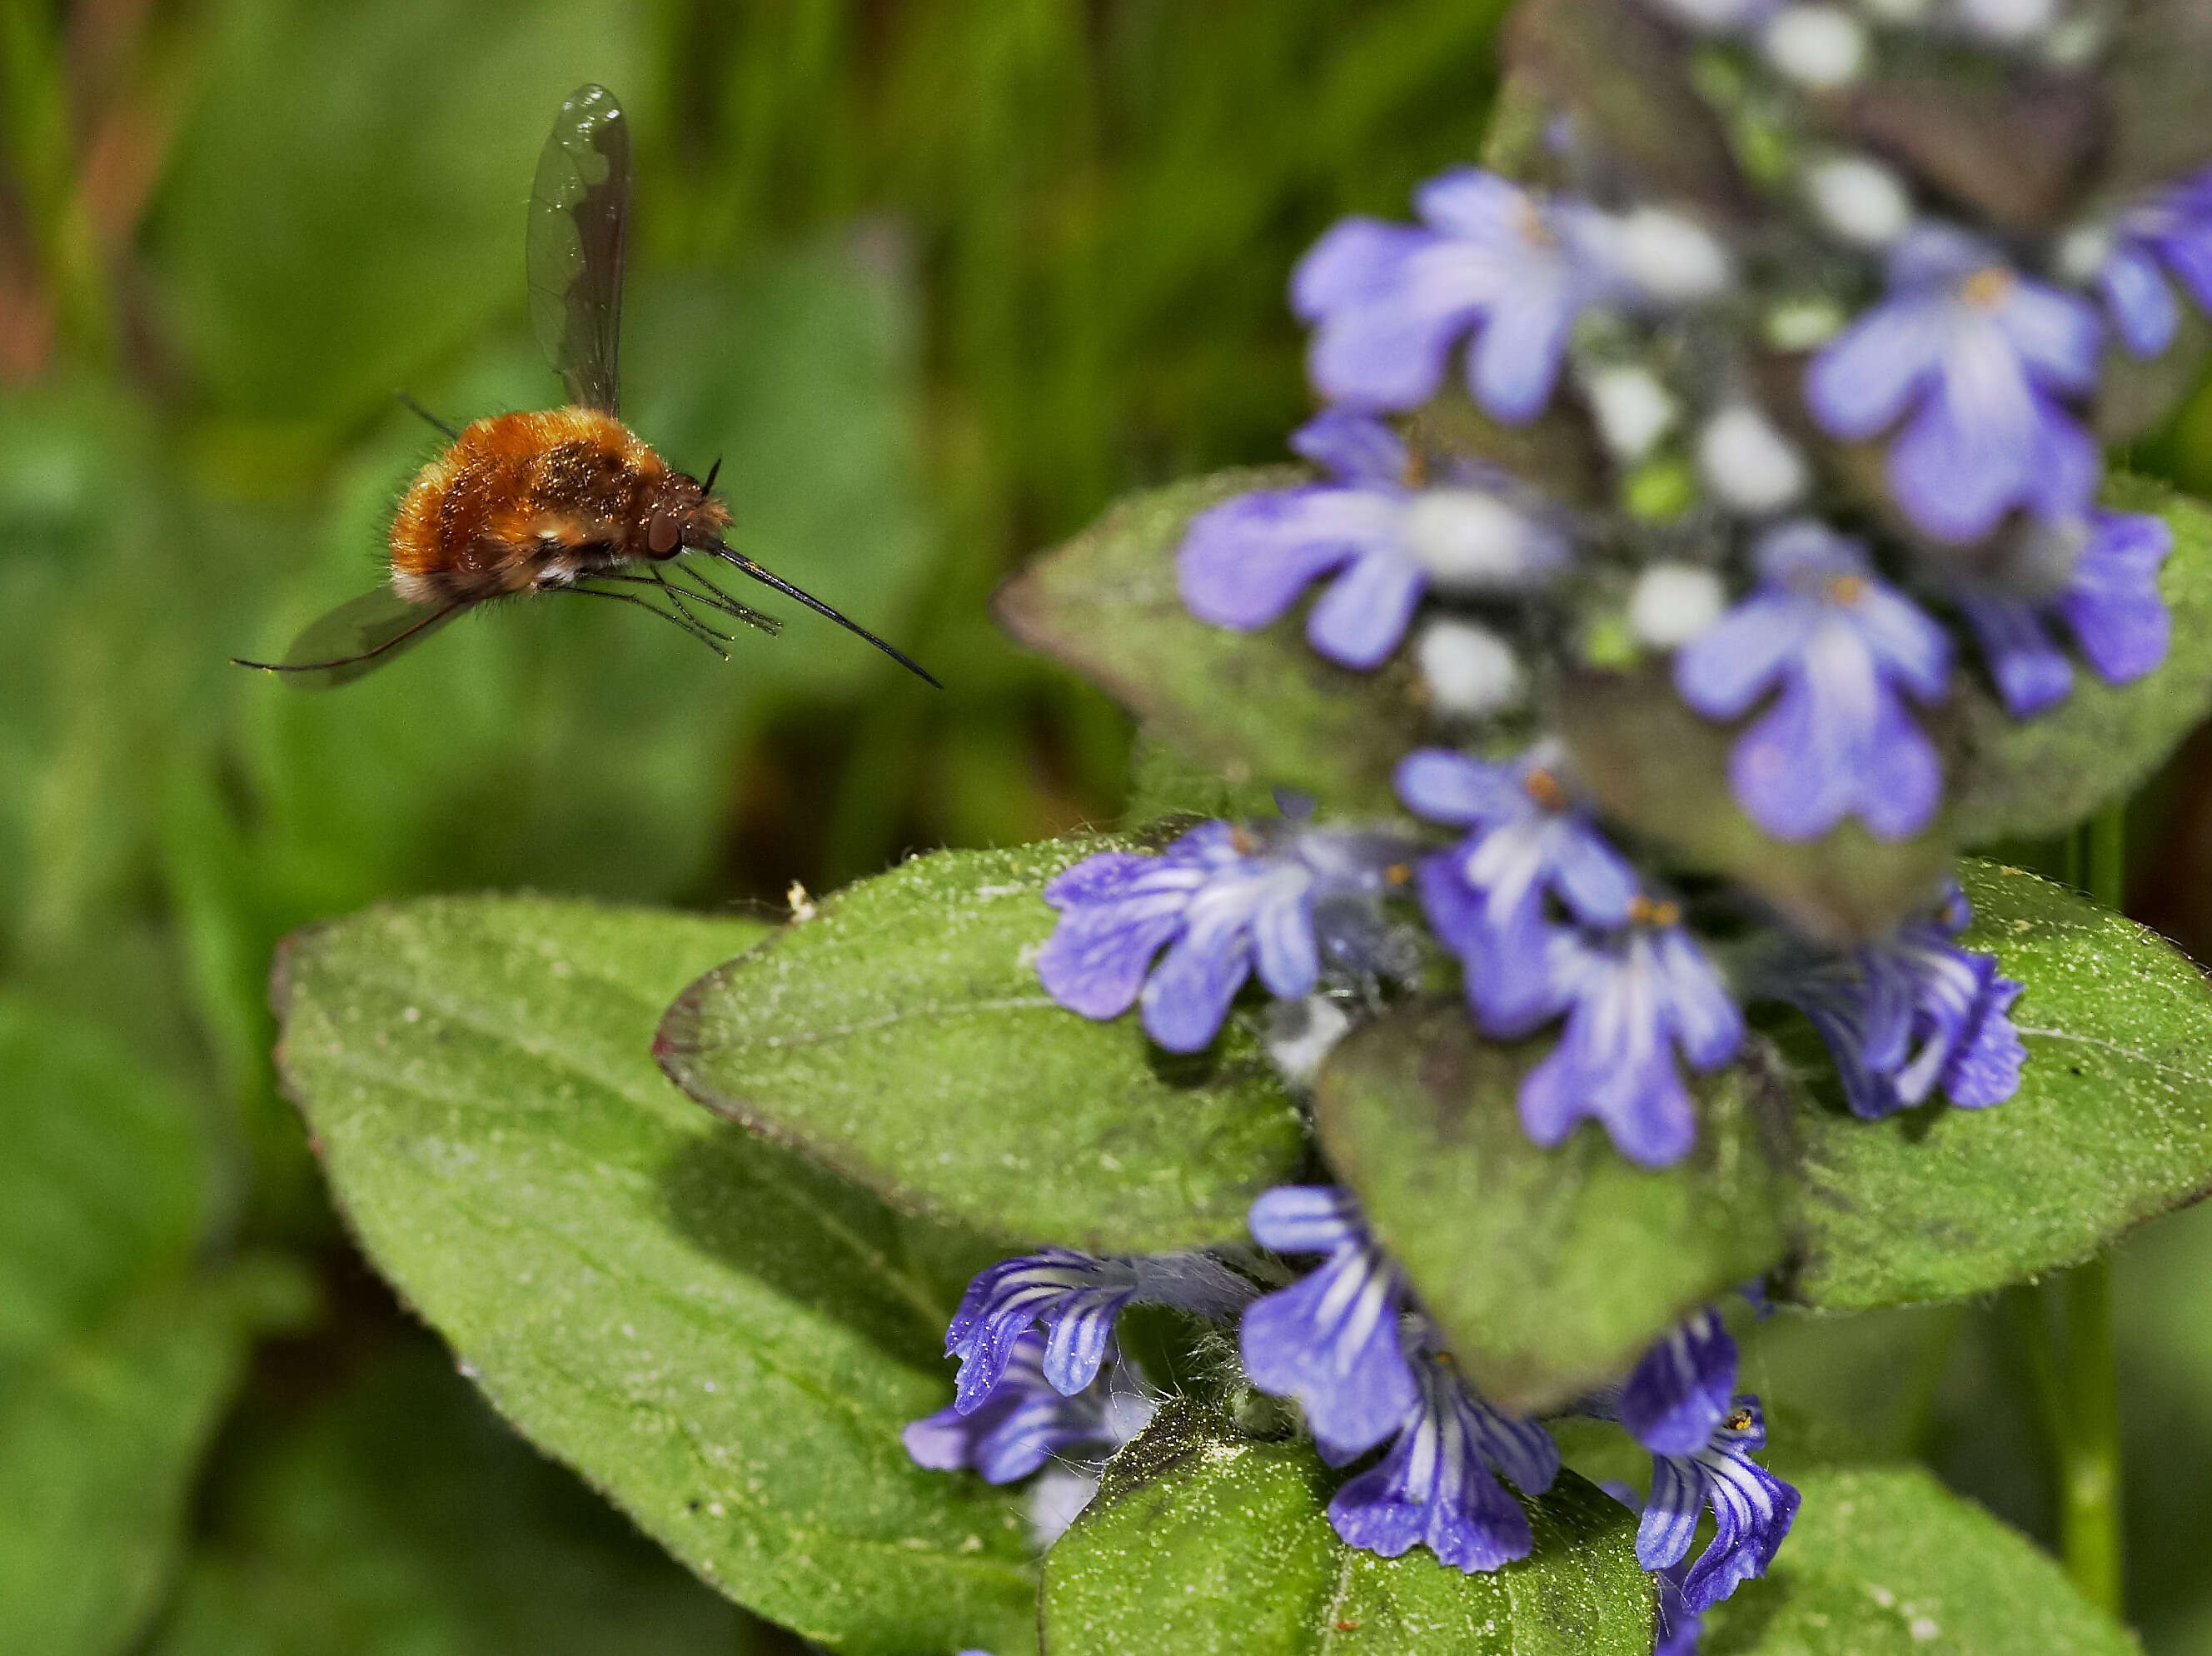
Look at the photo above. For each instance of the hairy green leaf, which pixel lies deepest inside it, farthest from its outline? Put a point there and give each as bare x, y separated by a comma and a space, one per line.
901, 1038
2043, 774
1262, 707
1550, 1271
2112, 1123
722, 1337
1201, 1542
1886, 1561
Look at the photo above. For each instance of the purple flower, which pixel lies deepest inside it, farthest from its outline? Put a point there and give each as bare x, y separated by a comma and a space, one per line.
1636, 997
1682, 1388
1331, 1338
1680, 1632
2110, 602
2171, 234
1222, 900
1385, 539
1753, 1508
1486, 897
1977, 355
1075, 1299
1841, 643
1026, 1421
1907, 1015
1390, 301
1436, 1488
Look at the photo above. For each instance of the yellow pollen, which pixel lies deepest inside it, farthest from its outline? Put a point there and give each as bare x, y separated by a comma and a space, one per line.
1398, 873
1416, 474
1846, 590
1985, 290
1643, 911
1740, 1420
1530, 223
1541, 786
1242, 840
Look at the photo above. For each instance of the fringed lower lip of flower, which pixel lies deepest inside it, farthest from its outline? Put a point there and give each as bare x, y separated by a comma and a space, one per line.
1491, 265
1978, 356
1842, 644
1436, 1487
1386, 538
1682, 1388
2169, 234
1075, 1299
1027, 1421
1486, 898
1753, 1510
1640, 1000
1911, 1014
1331, 1339
1223, 901
2110, 602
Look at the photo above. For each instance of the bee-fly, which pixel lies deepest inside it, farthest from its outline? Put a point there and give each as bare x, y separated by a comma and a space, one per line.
565, 500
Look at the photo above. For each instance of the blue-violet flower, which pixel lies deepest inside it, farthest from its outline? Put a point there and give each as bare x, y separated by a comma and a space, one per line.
1753, 1508
1386, 538
1977, 355
1075, 1299
1680, 1390
1486, 897
1331, 1339
1026, 1421
1223, 900
2169, 234
1492, 260
1636, 997
1843, 643
2110, 602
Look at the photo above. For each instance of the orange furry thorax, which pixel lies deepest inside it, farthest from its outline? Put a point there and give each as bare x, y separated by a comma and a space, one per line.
522, 501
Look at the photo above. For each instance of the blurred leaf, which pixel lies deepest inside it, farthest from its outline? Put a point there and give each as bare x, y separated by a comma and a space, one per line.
1888, 1562
1261, 707
346, 203
1663, 770
1550, 1271
724, 1340
116, 1358
901, 1037
400, 1518
2112, 1123
2043, 776
1201, 1542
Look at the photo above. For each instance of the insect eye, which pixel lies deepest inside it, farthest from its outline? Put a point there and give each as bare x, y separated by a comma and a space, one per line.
663, 534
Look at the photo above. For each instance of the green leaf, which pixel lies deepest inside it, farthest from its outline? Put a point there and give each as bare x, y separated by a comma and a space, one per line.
2112, 1123
1550, 1270
116, 1357
1888, 1562
2042, 775
1660, 769
398, 1516
724, 1339
1203, 1542
1262, 707
900, 1036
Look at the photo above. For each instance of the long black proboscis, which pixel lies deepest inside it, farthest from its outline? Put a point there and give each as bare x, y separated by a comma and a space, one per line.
768, 579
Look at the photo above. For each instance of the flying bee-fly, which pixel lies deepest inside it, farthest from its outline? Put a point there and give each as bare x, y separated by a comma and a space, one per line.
566, 500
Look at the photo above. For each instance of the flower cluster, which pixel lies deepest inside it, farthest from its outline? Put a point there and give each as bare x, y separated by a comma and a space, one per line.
1380, 1394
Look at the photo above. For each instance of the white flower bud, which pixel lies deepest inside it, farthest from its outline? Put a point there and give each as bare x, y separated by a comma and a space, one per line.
1815, 45
1470, 671
1300, 1033
1673, 258
2008, 19
1633, 409
1747, 463
1471, 542
2081, 253
1673, 603
1861, 200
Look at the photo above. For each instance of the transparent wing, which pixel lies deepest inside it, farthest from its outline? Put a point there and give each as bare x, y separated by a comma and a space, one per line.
355, 639
579, 227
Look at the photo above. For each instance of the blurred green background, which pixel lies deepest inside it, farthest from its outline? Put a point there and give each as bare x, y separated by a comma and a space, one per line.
935, 279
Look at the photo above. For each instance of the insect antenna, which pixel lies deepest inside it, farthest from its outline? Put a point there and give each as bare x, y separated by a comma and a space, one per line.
408, 402
767, 579
713, 471
685, 624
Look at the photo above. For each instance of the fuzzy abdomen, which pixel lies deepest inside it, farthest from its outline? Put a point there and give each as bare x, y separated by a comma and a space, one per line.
522, 501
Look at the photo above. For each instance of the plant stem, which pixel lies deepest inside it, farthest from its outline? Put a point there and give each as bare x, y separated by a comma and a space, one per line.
2089, 1447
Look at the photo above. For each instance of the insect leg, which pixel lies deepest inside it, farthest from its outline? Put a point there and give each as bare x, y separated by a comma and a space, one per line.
722, 602
408, 402
706, 635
